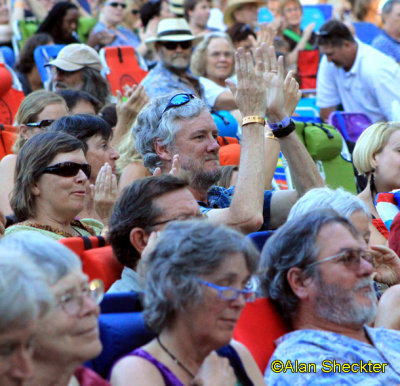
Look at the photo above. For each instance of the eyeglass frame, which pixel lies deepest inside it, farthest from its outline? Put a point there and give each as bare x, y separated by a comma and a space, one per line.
220, 289
86, 292
115, 4
52, 169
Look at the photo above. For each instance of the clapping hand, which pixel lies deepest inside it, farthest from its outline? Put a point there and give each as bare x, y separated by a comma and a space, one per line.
387, 265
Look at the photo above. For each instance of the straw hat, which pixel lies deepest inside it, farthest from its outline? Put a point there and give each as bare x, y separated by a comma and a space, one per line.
176, 7
173, 30
233, 5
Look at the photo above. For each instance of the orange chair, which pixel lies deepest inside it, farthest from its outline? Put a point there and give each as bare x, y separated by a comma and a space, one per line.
259, 325
8, 136
229, 152
98, 261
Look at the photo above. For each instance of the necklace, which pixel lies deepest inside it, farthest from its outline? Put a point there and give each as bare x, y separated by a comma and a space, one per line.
174, 358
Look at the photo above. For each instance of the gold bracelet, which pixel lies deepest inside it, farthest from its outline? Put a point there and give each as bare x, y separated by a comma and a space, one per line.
270, 135
253, 119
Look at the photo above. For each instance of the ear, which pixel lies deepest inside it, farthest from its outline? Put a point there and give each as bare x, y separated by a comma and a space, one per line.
23, 130
139, 238
375, 160
35, 190
163, 151
299, 284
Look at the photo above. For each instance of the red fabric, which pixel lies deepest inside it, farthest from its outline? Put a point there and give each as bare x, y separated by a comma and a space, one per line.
229, 152
307, 68
378, 224
87, 377
259, 325
394, 235
8, 136
97, 263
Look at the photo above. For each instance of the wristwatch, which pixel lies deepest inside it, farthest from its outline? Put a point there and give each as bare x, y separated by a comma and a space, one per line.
282, 128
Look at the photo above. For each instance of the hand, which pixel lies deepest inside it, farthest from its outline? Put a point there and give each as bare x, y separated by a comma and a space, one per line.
2, 223
175, 168
106, 193
387, 265
292, 93
249, 93
307, 32
101, 38
151, 242
215, 371
266, 34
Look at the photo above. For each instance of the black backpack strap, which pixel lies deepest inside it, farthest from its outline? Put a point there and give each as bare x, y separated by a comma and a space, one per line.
86, 242
102, 241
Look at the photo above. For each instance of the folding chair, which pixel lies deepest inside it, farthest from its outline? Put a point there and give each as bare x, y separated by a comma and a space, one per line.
22, 30
43, 55
366, 32
350, 125
307, 68
318, 14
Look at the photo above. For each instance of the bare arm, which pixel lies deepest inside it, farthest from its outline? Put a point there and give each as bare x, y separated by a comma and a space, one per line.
293, 55
225, 101
37, 9
325, 111
7, 167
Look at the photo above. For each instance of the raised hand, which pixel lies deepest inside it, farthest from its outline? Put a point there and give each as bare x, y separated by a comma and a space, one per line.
387, 265
292, 93
175, 167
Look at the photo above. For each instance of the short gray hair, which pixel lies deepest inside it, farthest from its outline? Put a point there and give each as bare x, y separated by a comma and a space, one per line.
185, 251
24, 294
344, 203
53, 258
294, 245
152, 124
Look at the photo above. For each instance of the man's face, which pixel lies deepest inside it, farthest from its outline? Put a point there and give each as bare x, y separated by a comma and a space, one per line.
392, 21
66, 79
292, 14
343, 295
340, 56
200, 13
197, 146
247, 14
175, 55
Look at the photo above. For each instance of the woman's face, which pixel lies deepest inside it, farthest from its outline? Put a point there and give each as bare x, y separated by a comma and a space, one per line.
99, 152
214, 320
58, 196
69, 338
16, 355
292, 14
112, 11
132, 15
165, 12
387, 165
219, 59
70, 23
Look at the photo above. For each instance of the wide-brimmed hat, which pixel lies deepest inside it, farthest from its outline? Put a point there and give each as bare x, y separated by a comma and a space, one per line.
173, 30
176, 7
233, 5
74, 57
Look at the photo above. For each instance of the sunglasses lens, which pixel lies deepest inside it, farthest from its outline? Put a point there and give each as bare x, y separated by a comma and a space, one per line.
185, 45
134, 11
116, 5
87, 169
179, 100
174, 45
69, 169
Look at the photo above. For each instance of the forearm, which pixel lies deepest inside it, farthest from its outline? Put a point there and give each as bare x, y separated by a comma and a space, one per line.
225, 101
325, 111
271, 154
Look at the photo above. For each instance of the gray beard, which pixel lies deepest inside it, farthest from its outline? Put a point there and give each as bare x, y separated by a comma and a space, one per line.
204, 180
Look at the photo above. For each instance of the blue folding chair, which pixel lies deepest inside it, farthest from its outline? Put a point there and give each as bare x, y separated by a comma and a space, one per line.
265, 15
260, 238
318, 14
366, 32
350, 125
43, 55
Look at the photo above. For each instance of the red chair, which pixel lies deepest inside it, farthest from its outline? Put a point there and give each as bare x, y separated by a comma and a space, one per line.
307, 68
8, 136
98, 260
259, 325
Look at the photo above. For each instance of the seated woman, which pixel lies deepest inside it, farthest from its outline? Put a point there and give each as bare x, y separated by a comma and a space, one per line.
61, 23
25, 298
51, 179
68, 335
36, 112
194, 309
375, 156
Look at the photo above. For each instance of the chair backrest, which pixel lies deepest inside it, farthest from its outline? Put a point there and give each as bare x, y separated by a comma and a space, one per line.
307, 68
318, 14
8, 136
259, 325
22, 31
229, 152
85, 26
350, 125
260, 238
43, 55
98, 260
121, 67
265, 15
366, 32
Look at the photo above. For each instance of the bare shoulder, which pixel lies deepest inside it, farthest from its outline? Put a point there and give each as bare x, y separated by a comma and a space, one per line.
131, 172
8, 161
137, 370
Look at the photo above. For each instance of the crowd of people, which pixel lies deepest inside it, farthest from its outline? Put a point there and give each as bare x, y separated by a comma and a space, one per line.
148, 170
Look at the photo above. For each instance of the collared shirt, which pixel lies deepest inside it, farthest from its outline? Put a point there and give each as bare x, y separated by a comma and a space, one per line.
326, 349
125, 37
371, 86
130, 281
388, 45
219, 198
161, 81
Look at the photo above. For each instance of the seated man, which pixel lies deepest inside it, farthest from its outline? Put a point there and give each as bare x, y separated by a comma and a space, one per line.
145, 206
319, 274
356, 75
78, 67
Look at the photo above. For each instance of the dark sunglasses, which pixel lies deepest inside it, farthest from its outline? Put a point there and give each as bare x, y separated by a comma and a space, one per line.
42, 123
170, 46
178, 100
67, 169
114, 4
135, 11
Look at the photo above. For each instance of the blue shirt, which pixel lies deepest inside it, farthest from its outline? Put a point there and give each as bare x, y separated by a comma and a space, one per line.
328, 351
386, 44
219, 198
125, 37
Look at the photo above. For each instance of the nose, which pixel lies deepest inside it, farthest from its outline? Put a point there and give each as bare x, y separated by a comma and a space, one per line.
58, 75
366, 268
213, 145
89, 306
239, 302
81, 177
114, 155
22, 366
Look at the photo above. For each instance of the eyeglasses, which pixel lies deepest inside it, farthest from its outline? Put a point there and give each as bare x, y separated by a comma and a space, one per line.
134, 11
67, 169
230, 293
178, 100
114, 4
72, 303
42, 123
179, 218
350, 258
174, 45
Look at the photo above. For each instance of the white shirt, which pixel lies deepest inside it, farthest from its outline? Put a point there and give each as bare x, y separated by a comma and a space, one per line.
212, 90
371, 86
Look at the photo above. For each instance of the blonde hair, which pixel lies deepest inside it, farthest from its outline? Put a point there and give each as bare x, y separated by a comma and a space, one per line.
371, 142
127, 151
32, 105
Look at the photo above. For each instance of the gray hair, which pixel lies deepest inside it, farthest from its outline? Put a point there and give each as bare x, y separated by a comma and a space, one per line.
53, 258
184, 251
152, 125
344, 203
294, 245
388, 6
24, 294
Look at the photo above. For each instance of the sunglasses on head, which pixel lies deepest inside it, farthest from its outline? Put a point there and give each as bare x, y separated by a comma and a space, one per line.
42, 123
67, 169
174, 45
114, 4
178, 100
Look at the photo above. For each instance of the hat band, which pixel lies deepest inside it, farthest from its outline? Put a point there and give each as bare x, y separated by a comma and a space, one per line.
175, 32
